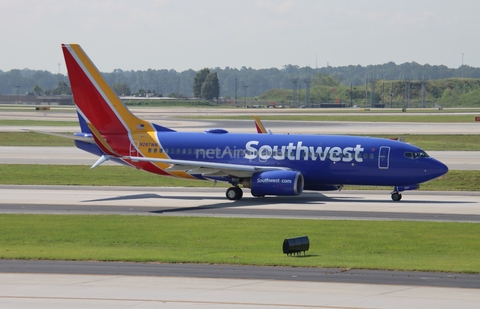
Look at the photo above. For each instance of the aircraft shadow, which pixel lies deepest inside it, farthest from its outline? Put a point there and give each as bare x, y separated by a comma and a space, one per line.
309, 198
126, 197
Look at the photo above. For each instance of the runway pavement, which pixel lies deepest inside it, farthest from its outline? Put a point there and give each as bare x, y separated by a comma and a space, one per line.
25, 291
162, 201
52, 284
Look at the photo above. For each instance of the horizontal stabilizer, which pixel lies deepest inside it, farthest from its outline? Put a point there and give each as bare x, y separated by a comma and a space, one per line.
87, 139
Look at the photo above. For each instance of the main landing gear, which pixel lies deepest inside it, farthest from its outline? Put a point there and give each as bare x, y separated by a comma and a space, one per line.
396, 196
234, 193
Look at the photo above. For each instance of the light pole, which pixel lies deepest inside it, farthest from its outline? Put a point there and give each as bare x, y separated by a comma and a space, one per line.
245, 102
351, 104
17, 92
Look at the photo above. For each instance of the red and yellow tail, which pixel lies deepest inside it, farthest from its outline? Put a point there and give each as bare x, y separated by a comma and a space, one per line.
116, 131
99, 105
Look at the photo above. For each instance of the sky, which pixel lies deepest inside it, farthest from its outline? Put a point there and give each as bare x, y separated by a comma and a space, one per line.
194, 34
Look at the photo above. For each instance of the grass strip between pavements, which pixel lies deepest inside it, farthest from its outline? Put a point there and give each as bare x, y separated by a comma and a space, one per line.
395, 245
82, 175
43, 123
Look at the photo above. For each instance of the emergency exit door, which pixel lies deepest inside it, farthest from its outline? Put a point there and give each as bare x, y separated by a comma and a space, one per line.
384, 157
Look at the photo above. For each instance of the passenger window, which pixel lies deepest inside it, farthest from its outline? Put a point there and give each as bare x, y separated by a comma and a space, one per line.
149, 150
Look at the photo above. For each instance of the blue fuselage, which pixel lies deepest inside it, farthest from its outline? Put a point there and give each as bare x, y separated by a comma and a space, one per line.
322, 159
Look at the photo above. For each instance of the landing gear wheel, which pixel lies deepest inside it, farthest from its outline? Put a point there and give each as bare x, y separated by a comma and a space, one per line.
396, 196
234, 193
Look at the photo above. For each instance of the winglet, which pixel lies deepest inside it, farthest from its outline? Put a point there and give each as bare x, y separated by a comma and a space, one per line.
260, 127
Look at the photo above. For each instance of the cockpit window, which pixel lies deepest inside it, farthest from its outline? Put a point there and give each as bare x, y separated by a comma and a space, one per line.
416, 155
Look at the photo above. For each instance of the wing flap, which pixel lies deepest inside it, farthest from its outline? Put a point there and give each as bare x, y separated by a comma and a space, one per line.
209, 168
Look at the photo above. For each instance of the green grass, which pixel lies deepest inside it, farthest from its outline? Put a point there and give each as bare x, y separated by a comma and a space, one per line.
426, 246
82, 175
33, 139
426, 142
441, 142
29, 123
454, 180
173, 103
32, 108
436, 118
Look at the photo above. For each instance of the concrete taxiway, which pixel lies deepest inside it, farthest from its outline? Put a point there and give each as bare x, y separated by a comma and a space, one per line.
162, 201
113, 291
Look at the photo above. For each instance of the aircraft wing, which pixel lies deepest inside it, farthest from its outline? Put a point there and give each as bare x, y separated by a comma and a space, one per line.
209, 168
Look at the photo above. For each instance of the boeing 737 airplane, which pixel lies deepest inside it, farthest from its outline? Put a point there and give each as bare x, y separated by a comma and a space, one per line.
267, 164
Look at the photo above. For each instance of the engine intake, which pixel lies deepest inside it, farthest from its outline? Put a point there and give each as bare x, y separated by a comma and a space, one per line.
276, 183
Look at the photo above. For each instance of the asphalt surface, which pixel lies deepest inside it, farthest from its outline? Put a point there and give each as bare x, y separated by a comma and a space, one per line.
433, 279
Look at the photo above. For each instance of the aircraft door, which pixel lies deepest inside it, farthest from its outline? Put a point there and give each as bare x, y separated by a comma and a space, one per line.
384, 157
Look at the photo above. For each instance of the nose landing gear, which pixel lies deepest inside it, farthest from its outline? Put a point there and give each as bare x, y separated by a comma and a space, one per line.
397, 196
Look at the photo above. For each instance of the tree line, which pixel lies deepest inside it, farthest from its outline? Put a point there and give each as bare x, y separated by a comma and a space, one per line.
232, 82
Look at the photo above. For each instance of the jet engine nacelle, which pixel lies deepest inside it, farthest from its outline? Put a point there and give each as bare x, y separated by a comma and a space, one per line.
276, 183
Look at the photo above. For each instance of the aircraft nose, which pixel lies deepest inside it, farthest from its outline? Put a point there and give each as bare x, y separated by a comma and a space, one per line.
438, 169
